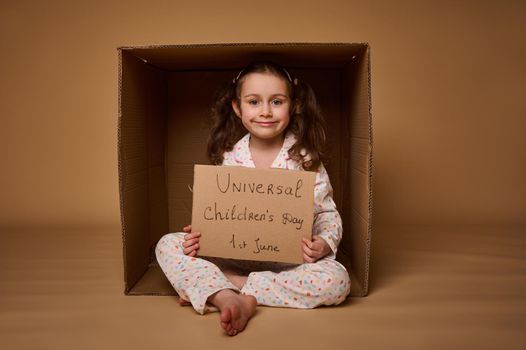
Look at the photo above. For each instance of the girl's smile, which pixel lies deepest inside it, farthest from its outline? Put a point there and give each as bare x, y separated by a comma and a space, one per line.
266, 123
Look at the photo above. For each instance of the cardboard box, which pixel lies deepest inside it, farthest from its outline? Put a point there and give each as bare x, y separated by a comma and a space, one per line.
165, 96
252, 214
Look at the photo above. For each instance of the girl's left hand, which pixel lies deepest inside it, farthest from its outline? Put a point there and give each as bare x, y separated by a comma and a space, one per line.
314, 249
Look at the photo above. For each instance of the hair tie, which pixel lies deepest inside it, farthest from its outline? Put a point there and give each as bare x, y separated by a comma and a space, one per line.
238, 75
295, 81
288, 75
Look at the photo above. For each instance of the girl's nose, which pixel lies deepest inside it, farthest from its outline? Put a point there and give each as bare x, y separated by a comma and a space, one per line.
266, 111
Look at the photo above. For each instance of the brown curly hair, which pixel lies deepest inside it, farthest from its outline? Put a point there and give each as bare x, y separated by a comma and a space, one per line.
306, 121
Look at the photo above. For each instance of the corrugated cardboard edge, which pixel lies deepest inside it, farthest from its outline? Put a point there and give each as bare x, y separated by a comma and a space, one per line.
132, 47
369, 229
121, 172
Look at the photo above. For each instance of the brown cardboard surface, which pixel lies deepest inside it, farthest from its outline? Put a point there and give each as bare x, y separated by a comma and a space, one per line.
166, 92
252, 214
235, 55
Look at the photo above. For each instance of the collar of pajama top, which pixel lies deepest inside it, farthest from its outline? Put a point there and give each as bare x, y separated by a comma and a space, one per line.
241, 156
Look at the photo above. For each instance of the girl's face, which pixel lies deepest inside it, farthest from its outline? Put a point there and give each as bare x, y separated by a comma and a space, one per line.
263, 106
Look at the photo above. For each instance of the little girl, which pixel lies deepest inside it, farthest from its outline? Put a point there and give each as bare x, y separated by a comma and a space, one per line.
285, 130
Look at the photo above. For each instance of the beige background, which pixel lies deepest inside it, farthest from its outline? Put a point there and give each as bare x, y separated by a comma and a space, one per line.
448, 88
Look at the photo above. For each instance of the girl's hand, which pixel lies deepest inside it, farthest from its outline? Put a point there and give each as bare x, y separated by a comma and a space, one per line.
314, 249
191, 241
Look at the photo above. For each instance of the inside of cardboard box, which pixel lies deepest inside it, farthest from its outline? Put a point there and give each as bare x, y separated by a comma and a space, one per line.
166, 96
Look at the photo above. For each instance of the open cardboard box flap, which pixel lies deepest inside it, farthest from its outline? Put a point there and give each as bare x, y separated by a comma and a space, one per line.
165, 96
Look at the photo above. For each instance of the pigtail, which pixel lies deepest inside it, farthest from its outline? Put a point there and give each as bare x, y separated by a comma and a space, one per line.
308, 125
227, 128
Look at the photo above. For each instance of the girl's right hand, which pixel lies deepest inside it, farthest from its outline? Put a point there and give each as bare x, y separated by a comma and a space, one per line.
191, 241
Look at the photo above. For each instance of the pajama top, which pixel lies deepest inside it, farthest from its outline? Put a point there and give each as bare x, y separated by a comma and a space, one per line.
327, 221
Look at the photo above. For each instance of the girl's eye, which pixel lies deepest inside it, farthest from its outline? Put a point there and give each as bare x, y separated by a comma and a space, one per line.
277, 102
252, 102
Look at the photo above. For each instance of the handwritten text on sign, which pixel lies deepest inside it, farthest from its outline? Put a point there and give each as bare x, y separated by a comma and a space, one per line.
252, 214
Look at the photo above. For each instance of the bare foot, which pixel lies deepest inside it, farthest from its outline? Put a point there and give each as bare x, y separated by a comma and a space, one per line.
236, 309
237, 280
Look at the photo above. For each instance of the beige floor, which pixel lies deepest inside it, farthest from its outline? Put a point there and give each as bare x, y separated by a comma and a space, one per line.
431, 288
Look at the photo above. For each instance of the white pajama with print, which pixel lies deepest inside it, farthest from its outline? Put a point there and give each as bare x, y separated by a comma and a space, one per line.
308, 285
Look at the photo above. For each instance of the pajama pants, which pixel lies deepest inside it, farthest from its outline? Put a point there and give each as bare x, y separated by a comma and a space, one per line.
325, 282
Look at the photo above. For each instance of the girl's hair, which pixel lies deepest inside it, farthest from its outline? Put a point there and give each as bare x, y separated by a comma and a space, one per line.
306, 120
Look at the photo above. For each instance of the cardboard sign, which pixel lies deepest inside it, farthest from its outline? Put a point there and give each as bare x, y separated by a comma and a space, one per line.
252, 214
